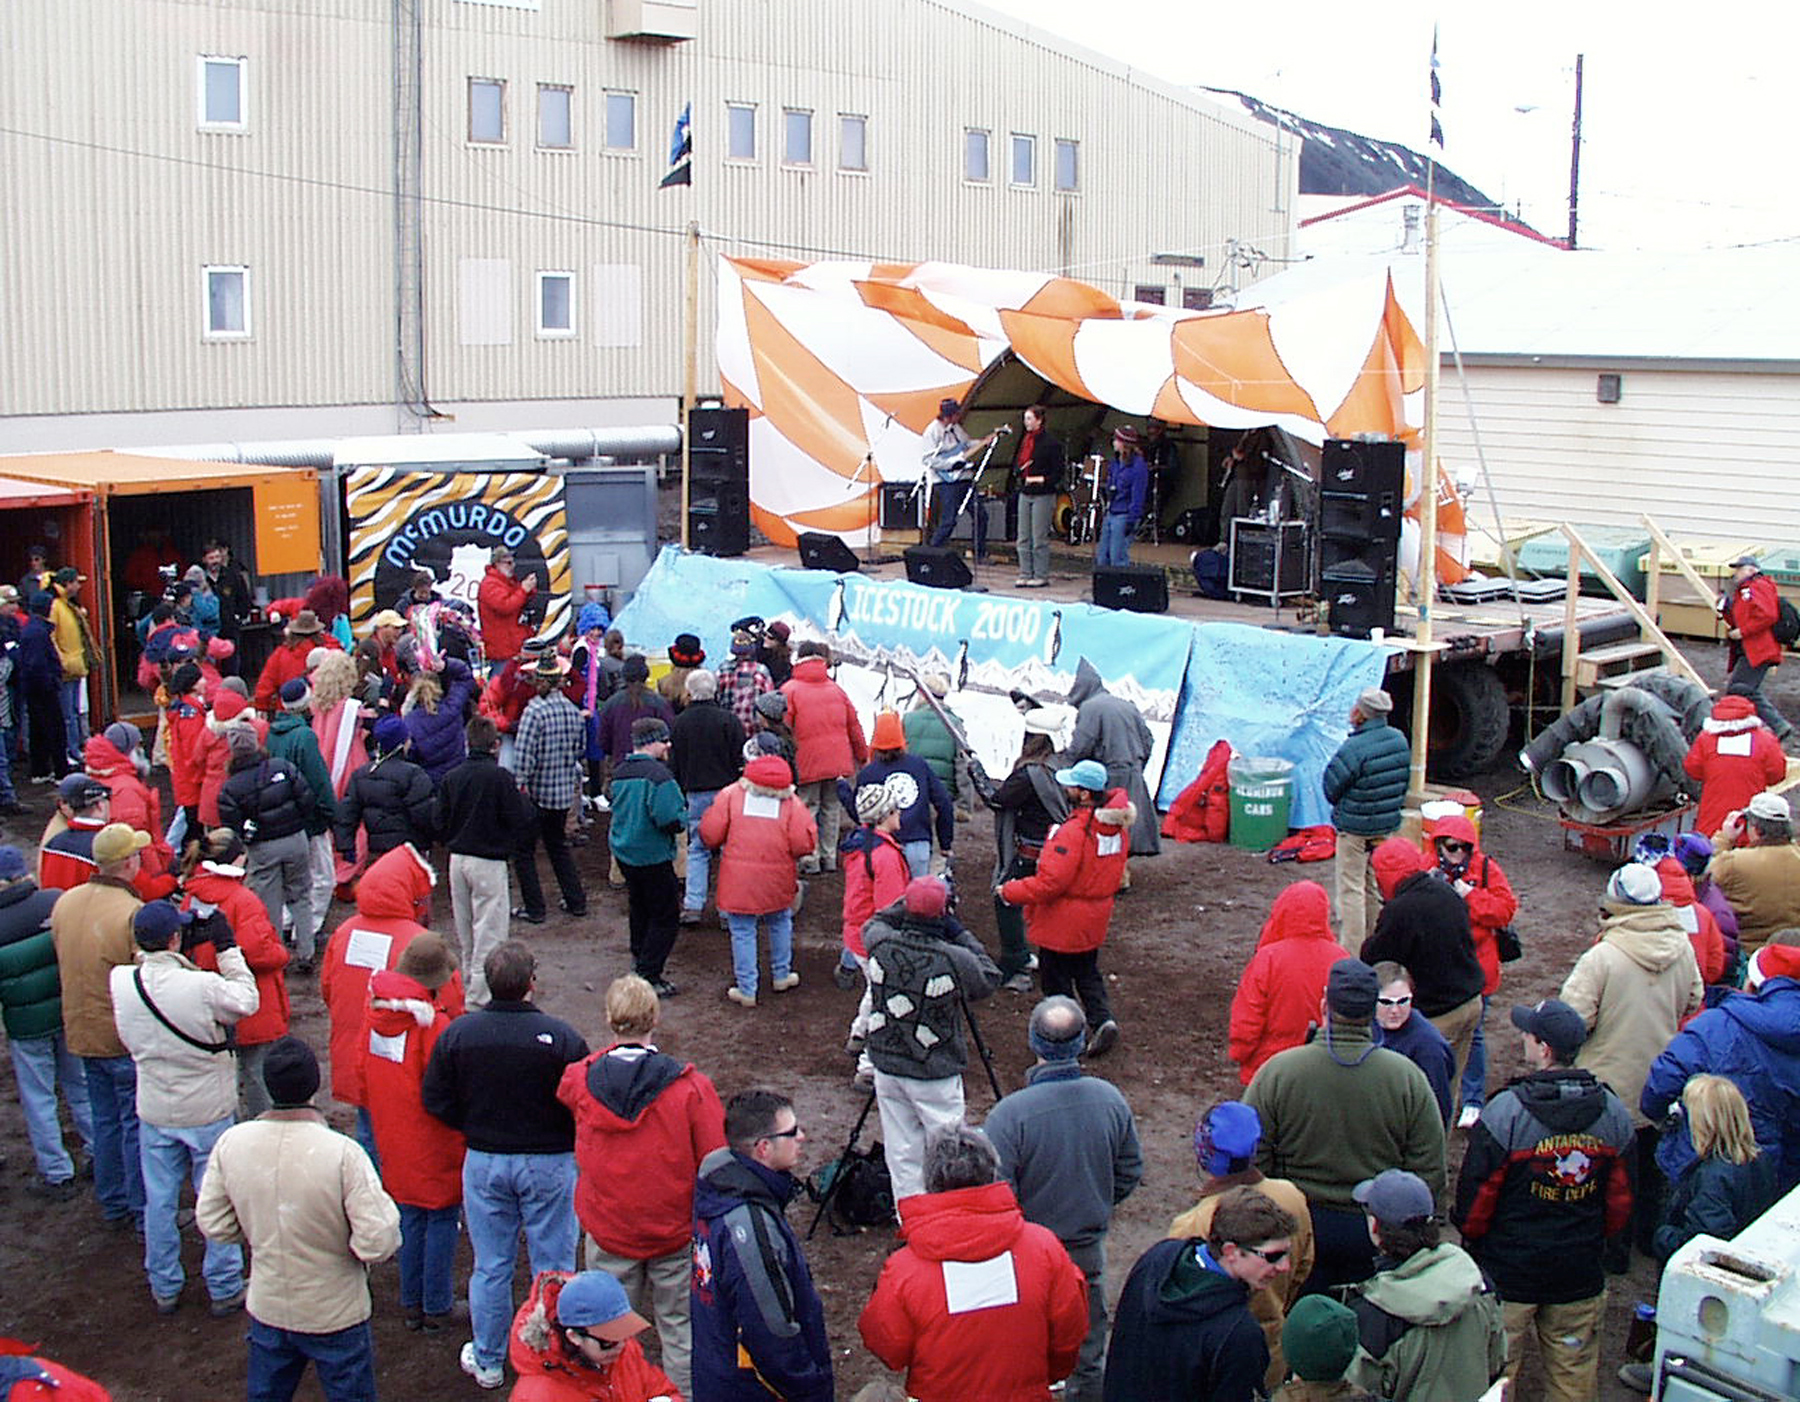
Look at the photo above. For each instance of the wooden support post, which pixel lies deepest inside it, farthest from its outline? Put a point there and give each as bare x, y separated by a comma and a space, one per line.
1571, 648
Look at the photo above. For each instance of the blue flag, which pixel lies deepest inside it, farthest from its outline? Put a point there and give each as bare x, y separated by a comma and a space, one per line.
681, 151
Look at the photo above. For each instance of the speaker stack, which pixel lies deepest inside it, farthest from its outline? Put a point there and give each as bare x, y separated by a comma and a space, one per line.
1361, 499
719, 481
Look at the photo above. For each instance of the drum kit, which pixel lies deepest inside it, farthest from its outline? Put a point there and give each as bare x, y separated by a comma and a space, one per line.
1078, 512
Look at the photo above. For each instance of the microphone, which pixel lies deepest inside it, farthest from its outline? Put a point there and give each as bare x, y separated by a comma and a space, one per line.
1003, 430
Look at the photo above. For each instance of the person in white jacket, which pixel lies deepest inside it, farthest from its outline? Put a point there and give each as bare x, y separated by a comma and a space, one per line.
174, 1018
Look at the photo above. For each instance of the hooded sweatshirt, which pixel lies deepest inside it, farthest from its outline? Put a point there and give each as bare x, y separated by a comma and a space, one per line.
1183, 1330
1734, 758
421, 1156
1702, 929
390, 899
1425, 926
1634, 988
1490, 900
643, 1123
1277, 999
1110, 729
1429, 1328
924, 1321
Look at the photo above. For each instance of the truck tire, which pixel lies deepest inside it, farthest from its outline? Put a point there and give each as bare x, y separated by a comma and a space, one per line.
1470, 720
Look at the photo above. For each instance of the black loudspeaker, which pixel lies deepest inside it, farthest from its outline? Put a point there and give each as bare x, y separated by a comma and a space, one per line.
819, 551
899, 507
718, 518
1140, 588
1365, 467
719, 445
1361, 499
1002, 519
938, 566
1359, 597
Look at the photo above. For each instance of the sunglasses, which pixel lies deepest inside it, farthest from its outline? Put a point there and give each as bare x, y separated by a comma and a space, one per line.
1273, 1258
1395, 1002
783, 1133
604, 1345
1457, 846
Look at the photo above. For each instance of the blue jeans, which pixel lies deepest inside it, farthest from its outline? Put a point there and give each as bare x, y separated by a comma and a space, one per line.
951, 496
1474, 1082
8, 738
1114, 547
39, 1064
365, 1135
74, 724
427, 1253
780, 925
278, 1358
118, 1172
918, 856
699, 865
170, 1155
504, 1194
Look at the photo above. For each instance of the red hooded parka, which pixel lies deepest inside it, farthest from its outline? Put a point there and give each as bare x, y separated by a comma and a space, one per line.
1069, 899
1702, 930
421, 1156
223, 888
1277, 999
828, 736
760, 830
1491, 903
1734, 758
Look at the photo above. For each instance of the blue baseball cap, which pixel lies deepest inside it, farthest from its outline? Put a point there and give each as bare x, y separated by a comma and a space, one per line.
1087, 774
594, 1301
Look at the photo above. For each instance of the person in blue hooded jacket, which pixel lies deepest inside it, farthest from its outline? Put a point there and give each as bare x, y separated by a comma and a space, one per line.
758, 1322
1753, 1040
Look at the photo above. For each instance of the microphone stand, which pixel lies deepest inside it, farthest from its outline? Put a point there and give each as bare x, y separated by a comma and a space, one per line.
972, 504
866, 472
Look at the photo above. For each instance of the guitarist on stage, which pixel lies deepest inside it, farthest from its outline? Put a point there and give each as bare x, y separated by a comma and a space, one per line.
949, 457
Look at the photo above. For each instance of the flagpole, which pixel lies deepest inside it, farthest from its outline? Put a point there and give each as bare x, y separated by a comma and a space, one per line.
690, 386
1425, 576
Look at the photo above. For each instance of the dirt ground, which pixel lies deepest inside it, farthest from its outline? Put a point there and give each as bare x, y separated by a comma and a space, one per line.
1177, 943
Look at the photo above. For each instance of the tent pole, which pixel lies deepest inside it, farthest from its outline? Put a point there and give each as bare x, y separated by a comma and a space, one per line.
1425, 577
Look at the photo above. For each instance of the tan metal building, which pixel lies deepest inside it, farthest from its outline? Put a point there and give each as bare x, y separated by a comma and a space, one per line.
290, 218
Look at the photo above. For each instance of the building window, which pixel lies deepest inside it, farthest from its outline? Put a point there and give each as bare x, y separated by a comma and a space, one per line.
796, 137
1153, 292
555, 305
487, 110
1068, 166
221, 93
853, 142
1024, 159
975, 155
1196, 299
621, 121
556, 118
227, 310
740, 138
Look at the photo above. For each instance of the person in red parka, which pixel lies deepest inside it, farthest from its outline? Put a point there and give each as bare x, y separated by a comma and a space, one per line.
643, 1123
575, 1340
759, 829
1487, 893
875, 876
392, 901
1004, 1326
1703, 930
1751, 608
213, 879
304, 632
185, 735
212, 749
421, 1157
1069, 899
1277, 999
828, 746
113, 757
25, 1378
1733, 758
507, 693
500, 601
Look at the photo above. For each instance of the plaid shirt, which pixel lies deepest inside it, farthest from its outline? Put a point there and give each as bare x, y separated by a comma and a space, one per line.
551, 742
739, 686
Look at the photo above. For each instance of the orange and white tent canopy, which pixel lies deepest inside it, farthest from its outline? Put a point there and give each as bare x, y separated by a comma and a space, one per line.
842, 365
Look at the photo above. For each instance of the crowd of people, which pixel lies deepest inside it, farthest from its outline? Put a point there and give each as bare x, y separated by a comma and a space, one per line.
146, 959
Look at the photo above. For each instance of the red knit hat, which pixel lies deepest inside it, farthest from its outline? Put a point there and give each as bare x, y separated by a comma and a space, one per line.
927, 896
227, 705
889, 734
769, 772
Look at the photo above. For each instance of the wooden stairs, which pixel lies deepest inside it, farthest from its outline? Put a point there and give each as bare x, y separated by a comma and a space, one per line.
1612, 666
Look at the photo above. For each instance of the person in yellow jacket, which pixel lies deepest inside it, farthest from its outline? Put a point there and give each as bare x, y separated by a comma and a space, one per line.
75, 646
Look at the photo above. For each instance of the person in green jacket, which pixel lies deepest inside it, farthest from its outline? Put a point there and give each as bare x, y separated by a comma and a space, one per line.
1429, 1327
928, 737
291, 737
648, 812
1365, 783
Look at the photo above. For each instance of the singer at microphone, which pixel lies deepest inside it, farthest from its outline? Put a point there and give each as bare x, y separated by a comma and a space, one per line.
1038, 468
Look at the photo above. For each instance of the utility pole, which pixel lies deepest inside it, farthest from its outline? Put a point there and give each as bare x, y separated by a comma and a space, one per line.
1575, 155
690, 379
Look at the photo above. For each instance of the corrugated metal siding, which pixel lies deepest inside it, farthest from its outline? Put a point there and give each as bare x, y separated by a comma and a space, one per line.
1706, 455
107, 284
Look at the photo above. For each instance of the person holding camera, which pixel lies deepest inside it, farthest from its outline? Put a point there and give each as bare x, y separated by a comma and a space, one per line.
175, 1019
1492, 906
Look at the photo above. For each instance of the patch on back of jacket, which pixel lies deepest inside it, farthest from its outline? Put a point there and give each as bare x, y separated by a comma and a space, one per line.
1565, 1167
980, 1285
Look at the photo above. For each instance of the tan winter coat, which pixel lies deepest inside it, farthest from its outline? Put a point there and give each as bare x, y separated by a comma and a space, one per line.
91, 926
178, 1085
312, 1209
1633, 988
1763, 886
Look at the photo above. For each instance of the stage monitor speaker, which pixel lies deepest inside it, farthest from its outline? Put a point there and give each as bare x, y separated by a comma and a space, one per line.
899, 507
1360, 598
1368, 467
819, 551
1140, 588
937, 566
719, 445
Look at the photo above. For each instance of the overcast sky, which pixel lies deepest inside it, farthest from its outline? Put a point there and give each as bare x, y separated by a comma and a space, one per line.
1688, 113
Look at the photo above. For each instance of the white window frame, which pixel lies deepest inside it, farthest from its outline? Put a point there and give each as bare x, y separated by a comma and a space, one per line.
987, 150
1012, 160
606, 109
568, 92
808, 162
242, 65
1057, 146
469, 99
861, 123
731, 109
556, 333
208, 332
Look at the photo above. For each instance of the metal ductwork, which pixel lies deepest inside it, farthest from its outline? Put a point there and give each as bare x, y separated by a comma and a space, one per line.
575, 444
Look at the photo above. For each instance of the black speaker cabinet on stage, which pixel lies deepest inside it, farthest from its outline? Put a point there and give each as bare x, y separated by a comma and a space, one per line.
1361, 500
719, 445
718, 518
1140, 588
1002, 518
938, 566
819, 551
900, 506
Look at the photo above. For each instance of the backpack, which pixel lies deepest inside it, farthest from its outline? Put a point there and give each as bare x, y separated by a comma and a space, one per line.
1787, 622
865, 1197
1202, 812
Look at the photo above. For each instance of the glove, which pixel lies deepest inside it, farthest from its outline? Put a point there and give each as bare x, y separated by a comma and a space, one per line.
219, 928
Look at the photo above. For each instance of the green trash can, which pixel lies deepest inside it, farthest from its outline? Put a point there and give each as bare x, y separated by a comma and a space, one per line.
1261, 790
